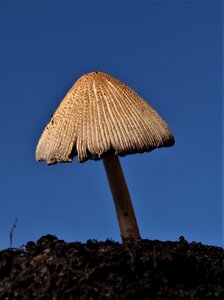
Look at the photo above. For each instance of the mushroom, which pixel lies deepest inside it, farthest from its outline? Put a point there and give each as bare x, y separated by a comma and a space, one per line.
101, 117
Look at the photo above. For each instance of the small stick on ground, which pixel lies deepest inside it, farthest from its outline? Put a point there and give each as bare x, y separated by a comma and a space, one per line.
11, 232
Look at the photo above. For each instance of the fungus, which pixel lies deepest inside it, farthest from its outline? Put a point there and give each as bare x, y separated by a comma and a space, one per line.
101, 117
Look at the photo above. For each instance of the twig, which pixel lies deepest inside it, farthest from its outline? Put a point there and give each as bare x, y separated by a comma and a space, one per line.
11, 232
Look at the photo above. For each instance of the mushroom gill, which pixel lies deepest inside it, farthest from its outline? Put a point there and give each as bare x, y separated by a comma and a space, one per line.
101, 114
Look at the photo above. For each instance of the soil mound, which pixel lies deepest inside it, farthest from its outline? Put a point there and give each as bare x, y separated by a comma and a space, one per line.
54, 269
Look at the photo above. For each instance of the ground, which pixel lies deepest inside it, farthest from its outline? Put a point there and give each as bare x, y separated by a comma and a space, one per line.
146, 269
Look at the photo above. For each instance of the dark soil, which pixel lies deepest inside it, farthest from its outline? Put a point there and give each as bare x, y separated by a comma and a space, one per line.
53, 269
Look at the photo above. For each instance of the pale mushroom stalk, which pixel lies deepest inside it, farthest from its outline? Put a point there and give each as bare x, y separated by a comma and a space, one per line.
122, 200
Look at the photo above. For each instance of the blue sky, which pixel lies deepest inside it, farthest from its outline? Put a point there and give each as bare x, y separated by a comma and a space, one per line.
169, 52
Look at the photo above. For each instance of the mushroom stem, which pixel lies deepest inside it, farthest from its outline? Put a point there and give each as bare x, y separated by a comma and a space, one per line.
125, 212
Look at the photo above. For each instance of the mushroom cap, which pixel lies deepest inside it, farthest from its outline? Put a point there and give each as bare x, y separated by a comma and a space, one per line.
101, 114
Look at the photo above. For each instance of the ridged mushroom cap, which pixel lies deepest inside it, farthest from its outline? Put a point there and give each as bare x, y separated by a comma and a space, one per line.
101, 114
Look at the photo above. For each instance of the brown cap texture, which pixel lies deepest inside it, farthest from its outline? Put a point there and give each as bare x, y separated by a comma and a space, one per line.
101, 114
